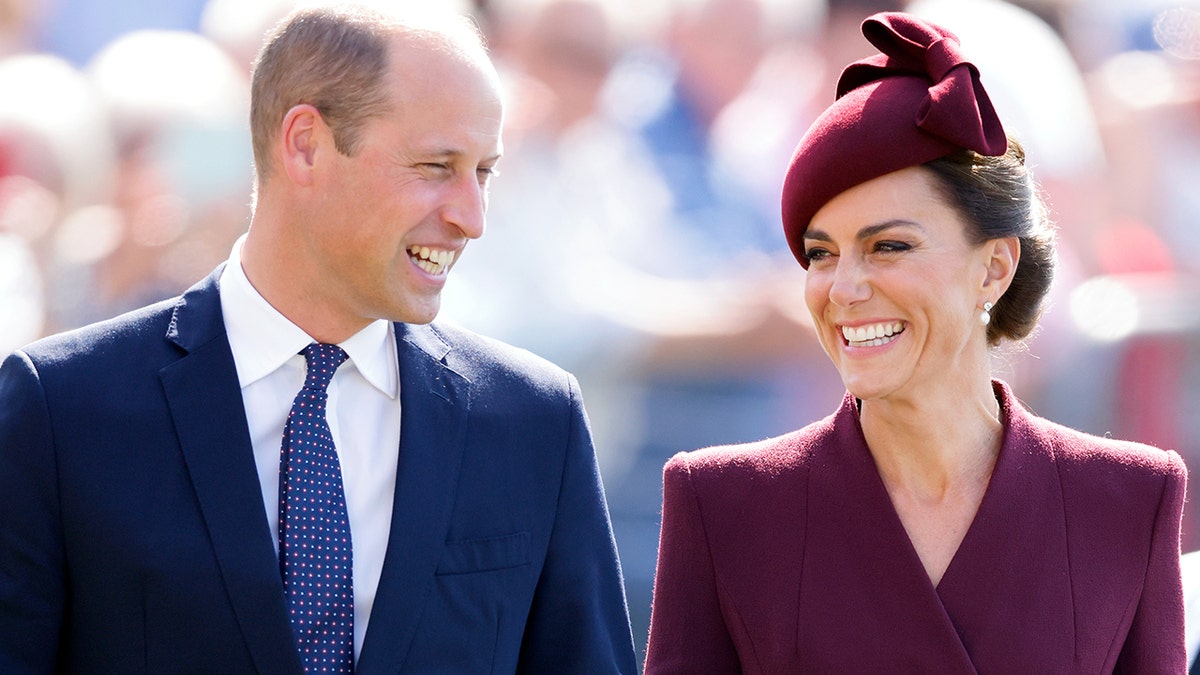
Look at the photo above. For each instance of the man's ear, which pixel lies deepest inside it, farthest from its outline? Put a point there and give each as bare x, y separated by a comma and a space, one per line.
300, 133
1002, 258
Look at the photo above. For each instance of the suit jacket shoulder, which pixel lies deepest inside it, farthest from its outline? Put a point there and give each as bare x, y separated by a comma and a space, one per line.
116, 339
486, 362
116, 351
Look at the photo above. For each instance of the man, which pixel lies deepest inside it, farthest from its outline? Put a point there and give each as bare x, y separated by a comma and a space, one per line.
169, 502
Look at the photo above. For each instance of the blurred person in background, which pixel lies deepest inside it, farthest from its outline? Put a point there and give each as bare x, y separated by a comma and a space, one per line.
21, 301
79, 29
177, 107
711, 50
429, 501
932, 523
57, 174
18, 24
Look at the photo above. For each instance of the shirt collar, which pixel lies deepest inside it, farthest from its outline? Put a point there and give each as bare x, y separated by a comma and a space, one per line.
373, 351
262, 339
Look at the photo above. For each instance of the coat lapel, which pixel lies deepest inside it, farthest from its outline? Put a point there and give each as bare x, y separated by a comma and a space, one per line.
1009, 580
205, 400
873, 603
1007, 584
434, 402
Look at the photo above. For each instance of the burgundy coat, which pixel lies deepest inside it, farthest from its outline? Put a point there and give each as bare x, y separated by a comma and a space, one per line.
787, 556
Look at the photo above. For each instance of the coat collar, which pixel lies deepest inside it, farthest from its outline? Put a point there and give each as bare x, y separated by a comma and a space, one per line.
869, 579
1008, 574
1012, 568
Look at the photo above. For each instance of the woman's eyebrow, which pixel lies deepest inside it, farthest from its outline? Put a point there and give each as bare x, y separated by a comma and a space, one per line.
866, 232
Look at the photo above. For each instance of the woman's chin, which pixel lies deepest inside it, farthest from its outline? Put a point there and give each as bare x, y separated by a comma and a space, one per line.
867, 386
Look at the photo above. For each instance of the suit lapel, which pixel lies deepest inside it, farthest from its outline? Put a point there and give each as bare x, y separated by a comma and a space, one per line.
434, 402
205, 400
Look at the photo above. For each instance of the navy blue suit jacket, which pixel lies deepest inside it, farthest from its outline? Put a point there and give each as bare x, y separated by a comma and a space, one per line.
133, 536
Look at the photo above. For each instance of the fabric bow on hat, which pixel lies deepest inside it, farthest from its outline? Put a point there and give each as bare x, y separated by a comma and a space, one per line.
917, 101
957, 108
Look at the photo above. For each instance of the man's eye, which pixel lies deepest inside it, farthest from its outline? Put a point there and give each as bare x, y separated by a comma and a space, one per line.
438, 168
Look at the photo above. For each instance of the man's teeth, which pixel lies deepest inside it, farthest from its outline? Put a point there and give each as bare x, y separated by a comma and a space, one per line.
873, 335
433, 261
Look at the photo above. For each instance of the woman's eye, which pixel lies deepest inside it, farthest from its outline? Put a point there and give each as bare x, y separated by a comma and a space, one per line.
816, 254
891, 247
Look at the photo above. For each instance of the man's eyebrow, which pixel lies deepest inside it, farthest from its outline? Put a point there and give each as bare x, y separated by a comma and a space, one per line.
866, 232
452, 154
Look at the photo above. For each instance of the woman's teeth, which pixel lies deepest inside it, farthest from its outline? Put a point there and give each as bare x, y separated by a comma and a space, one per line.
433, 261
872, 335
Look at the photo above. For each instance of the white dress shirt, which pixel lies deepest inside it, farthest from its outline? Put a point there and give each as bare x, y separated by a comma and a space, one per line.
363, 410
1190, 567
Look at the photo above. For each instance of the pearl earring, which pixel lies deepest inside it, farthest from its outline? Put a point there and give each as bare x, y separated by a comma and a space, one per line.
985, 317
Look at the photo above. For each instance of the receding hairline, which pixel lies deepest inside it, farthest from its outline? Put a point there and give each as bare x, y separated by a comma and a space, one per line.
454, 36
426, 25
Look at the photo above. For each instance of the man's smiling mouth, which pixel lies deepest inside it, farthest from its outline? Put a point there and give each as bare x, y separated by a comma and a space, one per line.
434, 261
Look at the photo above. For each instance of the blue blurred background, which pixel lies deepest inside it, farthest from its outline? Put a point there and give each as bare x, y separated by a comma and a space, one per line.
634, 234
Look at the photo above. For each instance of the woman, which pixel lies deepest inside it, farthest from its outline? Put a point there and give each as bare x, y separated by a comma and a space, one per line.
931, 524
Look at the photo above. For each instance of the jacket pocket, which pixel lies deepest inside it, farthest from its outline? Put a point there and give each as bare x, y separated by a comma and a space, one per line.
483, 555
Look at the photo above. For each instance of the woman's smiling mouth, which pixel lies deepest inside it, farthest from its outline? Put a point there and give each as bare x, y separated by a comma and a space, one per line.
871, 335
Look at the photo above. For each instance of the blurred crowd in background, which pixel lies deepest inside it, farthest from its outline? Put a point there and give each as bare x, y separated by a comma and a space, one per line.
633, 234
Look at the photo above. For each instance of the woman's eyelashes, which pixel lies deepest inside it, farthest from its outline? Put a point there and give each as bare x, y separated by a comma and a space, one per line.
888, 246
815, 254
891, 246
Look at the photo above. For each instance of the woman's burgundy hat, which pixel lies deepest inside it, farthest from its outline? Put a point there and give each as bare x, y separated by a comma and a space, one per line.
918, 101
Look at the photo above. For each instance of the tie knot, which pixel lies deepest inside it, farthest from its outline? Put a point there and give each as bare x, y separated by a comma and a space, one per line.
323, 360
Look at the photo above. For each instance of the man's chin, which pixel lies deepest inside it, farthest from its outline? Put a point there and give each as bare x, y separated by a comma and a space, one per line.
417, 313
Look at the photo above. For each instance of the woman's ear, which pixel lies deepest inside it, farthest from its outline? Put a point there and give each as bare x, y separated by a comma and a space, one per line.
299, 136
1002, 258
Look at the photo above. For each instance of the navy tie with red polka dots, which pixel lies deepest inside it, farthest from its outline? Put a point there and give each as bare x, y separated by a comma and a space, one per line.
315, 556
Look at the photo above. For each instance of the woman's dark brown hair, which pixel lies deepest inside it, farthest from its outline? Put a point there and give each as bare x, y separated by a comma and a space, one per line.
999, 199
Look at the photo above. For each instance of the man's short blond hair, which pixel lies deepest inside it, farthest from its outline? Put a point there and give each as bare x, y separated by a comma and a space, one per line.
335, 58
